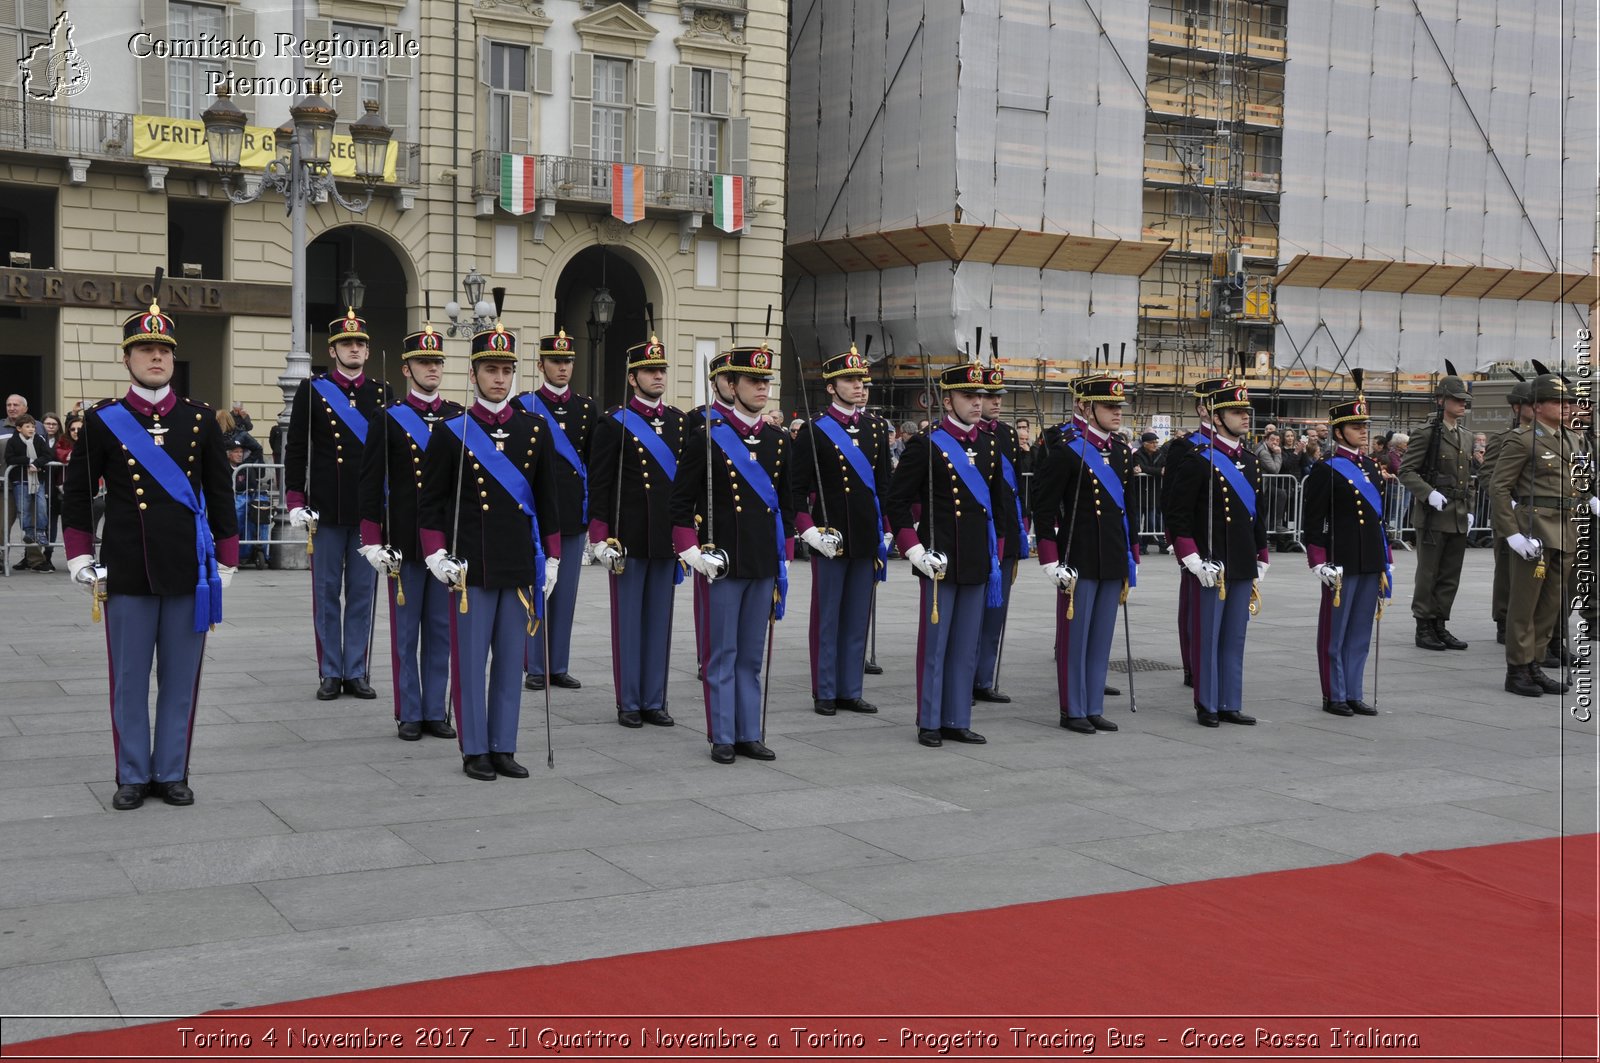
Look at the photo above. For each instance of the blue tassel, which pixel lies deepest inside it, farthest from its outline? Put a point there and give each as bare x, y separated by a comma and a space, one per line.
783, 594
538, 566
215, 590
996, 590
202, 605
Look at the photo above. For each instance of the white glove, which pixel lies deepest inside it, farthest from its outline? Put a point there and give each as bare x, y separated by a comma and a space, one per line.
1471, 520
1594, 507
1526, 548
1261, 570
608, 553
1065, 576
888, 540
383, 559
1328, 574
300, 516
85, 572
1203, 571
445, 569
707, 565
552, 572
826, 545
929, 563
1437, 501
225, 574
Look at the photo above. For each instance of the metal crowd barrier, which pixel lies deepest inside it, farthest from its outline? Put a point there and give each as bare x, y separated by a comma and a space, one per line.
50, 480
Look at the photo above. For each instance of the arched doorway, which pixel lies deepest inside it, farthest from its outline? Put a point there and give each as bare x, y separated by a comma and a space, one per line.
602, 366
330, 260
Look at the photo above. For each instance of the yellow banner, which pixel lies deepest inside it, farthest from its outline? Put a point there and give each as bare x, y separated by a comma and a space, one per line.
184, 140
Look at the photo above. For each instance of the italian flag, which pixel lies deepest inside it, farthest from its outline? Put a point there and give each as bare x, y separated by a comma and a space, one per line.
516, 183
727, 212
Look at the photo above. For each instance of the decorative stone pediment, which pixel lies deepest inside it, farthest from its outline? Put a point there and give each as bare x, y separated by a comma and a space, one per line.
529, 13
615, 30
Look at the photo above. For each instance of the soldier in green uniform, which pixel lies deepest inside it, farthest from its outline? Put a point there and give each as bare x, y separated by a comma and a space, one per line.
1437, 470
1521, 399
1537, 504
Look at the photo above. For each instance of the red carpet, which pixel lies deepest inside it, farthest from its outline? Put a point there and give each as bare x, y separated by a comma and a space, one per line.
1488, 952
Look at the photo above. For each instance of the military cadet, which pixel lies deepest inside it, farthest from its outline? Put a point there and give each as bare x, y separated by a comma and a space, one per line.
1520, 397
327, 432
953, 474
575, 416
1437, 470
491, 531
716, 408
391, 490
1081, 519
630, 528
738, 540
1220, 537
1537, 505
1011, 533
171, 545
1343, 528
841, 518
1176, 448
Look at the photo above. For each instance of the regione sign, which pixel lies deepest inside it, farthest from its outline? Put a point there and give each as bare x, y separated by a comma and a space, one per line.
184, 140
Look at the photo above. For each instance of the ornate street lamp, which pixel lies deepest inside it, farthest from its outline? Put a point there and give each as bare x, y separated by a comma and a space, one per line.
351, 291
482, 310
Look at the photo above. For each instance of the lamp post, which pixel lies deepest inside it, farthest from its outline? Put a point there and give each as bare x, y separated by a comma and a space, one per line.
482, 310
601, 311
351, 291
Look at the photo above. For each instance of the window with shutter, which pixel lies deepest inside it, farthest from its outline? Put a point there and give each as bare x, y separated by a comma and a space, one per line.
187, 78
242, 24
704, 131
396, 99
609, 120
509, 103
362, 76
153, 76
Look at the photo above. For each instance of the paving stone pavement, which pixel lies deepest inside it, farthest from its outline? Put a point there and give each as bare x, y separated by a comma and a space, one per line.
322, 854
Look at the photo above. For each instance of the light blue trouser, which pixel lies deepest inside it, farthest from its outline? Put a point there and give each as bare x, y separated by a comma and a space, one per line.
1219, 657
487, 638
641, 632
1081, 670
337, 568
947, 653
1344, 635
141, 628
841, 602
419, 643
994, 622
559, 610
733, 650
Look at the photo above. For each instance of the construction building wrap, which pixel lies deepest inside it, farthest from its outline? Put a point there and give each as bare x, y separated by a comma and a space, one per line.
1455, 132
1013, 115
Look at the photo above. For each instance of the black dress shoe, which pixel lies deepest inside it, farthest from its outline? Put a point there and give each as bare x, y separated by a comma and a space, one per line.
856, 705
999, 697
1518, 681
962, 734
929, 737
1206, 719
1100, 723
506, 764
438, 728
1558, 656
1079, 724
360, 688
1113, 692
872, 669
1361, 708
722, 754
410, 731
129, 796
657, 717
173, 793
565, 681
1449, 640
328, 689
1336, 708
629, 718
1547, 684
478, 766
533, 682
754, 750
1235, 716
824, 707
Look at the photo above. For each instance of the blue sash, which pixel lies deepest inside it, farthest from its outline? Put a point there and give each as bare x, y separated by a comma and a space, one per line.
1235, 478
754, 474
1008, 471
1111, 483
475, 439
133, 435
863, 468
351, 417
1198, 438
978, 488
415, 426
1369, 491
641, 430
564, 446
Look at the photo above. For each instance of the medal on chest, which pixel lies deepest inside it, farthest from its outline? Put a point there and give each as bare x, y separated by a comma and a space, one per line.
500, 435
158, 434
